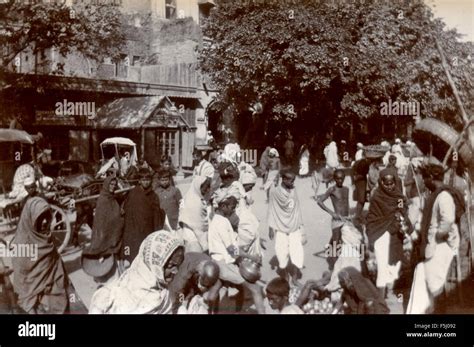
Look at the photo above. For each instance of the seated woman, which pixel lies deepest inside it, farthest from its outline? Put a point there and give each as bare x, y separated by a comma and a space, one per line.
359, 294
143, 288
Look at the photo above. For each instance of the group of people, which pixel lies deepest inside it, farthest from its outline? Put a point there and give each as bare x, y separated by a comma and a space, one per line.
410, 245
175, 254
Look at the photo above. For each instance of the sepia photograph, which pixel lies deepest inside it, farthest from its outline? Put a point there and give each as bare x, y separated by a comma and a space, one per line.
237, 157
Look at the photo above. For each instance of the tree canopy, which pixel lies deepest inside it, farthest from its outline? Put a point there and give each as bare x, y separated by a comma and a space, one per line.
94, 30
334, 61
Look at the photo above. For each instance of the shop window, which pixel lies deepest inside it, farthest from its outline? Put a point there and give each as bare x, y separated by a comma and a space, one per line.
136, 60
59, 144
166, 142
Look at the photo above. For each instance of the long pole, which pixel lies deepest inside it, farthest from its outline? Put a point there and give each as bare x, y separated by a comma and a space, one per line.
456, 93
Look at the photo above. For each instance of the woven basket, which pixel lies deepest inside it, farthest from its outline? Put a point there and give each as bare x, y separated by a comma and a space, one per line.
375, 151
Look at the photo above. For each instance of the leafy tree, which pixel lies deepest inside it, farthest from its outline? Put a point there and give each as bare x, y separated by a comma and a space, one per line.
324, 62
34, 27
92, 30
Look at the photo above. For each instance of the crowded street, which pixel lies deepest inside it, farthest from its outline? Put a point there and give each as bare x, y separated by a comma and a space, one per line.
212, 157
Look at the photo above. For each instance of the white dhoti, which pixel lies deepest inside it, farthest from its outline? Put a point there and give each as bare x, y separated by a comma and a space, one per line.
289, 246
429, 279
272, 175
386, 273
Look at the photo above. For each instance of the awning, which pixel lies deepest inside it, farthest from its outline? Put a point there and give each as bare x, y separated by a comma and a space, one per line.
137, 113
14, 135
118, 141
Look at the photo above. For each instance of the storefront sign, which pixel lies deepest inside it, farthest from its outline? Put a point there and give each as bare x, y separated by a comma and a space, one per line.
52, 118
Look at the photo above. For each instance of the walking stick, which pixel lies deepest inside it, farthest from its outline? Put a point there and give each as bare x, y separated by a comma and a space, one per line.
469, 220
464, 115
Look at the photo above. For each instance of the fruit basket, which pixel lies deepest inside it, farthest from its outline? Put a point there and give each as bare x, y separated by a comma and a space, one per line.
324, 306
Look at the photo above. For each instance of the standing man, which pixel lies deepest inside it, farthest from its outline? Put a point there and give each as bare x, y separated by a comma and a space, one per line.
440, 240
360, 171
286, 225
143, 215
340, 201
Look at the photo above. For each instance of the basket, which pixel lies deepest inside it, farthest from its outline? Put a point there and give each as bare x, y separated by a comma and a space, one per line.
375, 151
96, 268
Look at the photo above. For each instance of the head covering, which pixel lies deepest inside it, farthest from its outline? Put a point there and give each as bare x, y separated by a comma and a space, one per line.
396, 148
108, 224
274, 152
360, 145
381, 217
142, 288
231, 153
365, 291
193, 212
29, 181
248, 178
398, 141
43, 275
224, 193
221, 195
385, 144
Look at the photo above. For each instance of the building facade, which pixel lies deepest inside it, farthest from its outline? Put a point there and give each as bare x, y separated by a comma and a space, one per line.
159, 60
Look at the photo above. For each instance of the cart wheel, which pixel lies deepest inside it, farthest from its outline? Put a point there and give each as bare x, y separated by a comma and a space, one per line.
60, 228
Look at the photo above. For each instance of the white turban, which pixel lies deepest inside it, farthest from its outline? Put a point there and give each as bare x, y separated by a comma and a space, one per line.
248, 178
274, 152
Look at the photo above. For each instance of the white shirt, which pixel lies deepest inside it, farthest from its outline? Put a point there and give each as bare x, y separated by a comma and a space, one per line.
359, 154
204, 169
221, 236
443, 218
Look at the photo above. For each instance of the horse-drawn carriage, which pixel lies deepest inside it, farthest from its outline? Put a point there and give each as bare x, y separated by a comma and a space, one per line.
72, 198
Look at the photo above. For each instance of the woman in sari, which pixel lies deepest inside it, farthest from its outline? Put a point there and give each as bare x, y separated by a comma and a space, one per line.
107, 230
383, 229
359, 294
40, 280
193, 215
142, 288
